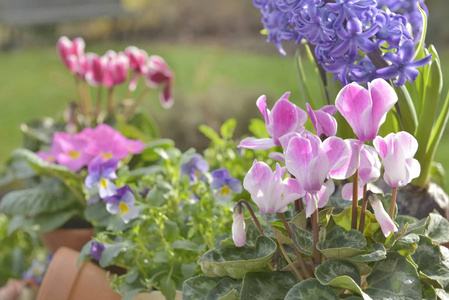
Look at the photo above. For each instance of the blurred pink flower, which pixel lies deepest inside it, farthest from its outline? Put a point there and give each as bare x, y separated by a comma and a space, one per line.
138, 63
115, 69
73, 154
72, 55
159, 73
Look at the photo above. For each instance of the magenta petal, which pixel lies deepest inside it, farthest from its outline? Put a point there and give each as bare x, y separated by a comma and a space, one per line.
286, 117
262, 105
351, 102
256, 144
298, 154
166, 96
322, 121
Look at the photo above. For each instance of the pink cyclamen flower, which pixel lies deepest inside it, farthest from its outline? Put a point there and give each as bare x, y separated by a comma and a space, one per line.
285, 118
73, 153
96, 66
270, 193
310, 160
50, 156
325, 125
386, 223
159, 73
66, 48
238, 227
369, 171
138, 63
366, 110
397, 151
116, 68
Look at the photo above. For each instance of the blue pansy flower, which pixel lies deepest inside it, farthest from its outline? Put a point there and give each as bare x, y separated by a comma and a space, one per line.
35, 273
122, 203
100, 176
224, 184
96, 250
194, 166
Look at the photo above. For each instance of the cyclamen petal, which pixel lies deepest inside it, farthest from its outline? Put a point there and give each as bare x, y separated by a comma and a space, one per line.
322, 120
386, 223
352, 162
366, 110
238, 228
256, 144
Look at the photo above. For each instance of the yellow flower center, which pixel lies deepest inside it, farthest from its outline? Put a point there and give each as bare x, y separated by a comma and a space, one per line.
50, 159
197, 174
225, 190
106, 155
36, 271
74, 154
103, 183
123, 208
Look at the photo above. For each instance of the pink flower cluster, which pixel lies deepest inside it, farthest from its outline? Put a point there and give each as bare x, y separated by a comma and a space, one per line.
315, 160
112, 68
76, 151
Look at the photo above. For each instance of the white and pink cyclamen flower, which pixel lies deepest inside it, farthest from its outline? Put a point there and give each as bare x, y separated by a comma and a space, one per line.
323, 121
72, 55
397, 151
160, 74
285, 117
270, 193
238, 227
310, 160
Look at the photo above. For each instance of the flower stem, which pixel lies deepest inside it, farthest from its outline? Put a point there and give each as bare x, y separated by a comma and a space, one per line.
111, 101
363, 212
138, 101
316, 237
290, 263
393, 202
251, 211
298, 254
99, 96
298, 205
355, 198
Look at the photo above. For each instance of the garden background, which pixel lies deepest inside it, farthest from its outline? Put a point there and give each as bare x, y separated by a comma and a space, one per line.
221, 63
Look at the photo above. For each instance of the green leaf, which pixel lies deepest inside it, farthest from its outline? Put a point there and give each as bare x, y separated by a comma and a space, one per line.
146, 126
112, 251
428, 291
184, 245
418, 227
300, 219
442, 294
340, 243
85, 253
310, 289
188, 270
302, 239
168, 288
226, 288
375, 253
236, 262
431, 262
258, 128
211, 134
333, 268
438, 228
420, 45
47, 197
227, 129
267, 285
394, 278
201, 286
51, 221
97, 214
408, 113
343, 219
145, 171
17, 222
170, 231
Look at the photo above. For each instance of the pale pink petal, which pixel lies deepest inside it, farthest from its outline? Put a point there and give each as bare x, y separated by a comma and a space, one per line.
262, 105
325, 192
311, 203
277, 156
257, 144
318, 170
298, 155
292, 191
370, 165
285, 118
238, 228
407, 142
322, 121
336, 151
352, 162
381, 146
413, 169
330, 109
386, 223
347, 191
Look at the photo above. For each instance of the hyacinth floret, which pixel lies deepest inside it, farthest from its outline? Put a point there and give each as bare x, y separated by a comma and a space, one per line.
343, 32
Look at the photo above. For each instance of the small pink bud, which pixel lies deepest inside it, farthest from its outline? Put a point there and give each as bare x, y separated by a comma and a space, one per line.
238, 226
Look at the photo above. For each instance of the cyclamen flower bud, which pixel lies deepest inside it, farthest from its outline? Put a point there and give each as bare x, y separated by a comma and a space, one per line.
386, 223
238, 226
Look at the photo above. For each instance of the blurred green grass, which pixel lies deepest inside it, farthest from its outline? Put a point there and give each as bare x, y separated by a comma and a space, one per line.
212, 83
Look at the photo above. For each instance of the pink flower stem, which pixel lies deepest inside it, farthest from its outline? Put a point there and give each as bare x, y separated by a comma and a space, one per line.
298, 205
138, 101
111, 101
251, 211
316, 237
393, 202
298, 254
355, 198
364, 205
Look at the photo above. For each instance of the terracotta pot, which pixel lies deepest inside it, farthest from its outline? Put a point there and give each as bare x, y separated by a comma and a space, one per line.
67, 237
64, 280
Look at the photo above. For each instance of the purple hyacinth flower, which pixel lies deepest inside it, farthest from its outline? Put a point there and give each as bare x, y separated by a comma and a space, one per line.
194, 166
122, 203
100, 176
403, 67
224, 184
96, 250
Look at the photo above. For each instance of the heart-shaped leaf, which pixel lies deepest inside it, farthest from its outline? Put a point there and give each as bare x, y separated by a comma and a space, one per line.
310, 289
340, 243
267, 285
